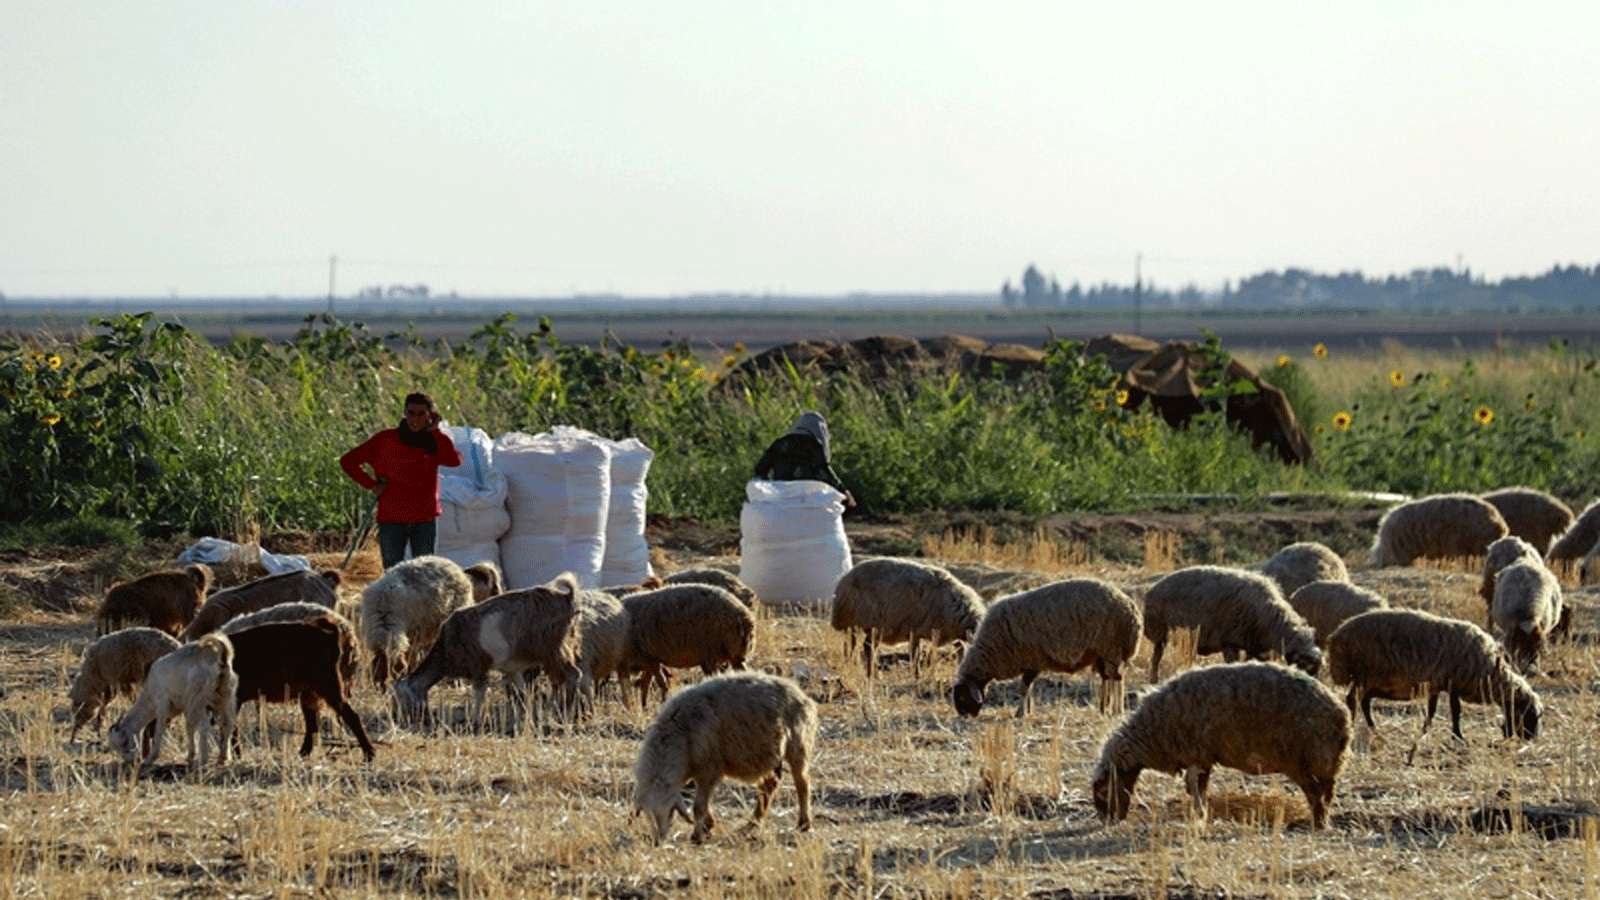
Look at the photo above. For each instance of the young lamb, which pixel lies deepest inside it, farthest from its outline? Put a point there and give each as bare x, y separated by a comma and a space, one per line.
1526, 608
1256, 717
282, 661
743, 725
402, 611
1060, 627
1399, 654
486, 580
1237, 612
115, 664
1532, 515
1299, 564
196, 680
1325, 605
893, 600
286, 587
1443, 526
682, 625
718, 577
165, 600
516, 633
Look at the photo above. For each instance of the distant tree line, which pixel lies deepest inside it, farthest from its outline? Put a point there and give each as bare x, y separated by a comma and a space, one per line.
1562, 288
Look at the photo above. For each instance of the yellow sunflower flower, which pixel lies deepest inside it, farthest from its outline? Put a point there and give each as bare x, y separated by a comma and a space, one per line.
1122, 397
1341, 421
1284, 361
1397, 378
1483, 415
738, 347
1320, 351
50, 419
54, 361
730, 361
1320, 428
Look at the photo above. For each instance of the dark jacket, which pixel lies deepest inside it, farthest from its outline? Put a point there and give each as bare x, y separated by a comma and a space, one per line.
797, 457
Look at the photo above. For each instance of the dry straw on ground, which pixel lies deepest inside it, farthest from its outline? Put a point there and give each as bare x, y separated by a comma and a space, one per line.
910, 800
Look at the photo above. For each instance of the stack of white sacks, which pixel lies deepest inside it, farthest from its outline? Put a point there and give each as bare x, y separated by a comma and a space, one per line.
792, 545
538, 505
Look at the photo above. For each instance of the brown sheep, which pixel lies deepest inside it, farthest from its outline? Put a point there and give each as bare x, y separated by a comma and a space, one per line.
166, 600
253, 596
278, 662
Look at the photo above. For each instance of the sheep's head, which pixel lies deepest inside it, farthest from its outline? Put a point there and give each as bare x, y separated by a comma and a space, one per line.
662, 804
1113, 790
968, 696
125, 742
410, 703
1303, 654
1522, 715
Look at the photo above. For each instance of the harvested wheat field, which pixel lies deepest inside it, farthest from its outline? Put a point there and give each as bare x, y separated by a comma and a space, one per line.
909, 800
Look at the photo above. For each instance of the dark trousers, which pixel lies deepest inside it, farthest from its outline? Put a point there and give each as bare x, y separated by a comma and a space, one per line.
394, 537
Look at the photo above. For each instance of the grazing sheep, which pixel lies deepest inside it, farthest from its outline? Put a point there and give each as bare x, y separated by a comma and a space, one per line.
602, 643
1532, 515
718, 577
1526, 609
1256, 717
196, 680
303, 660
401, 612
1500, 554
649, 583
1299, 564
1237, 612
115, 664
301, 612
1398, 654
286, 587
682, 625
516, 633
894, 600
1443, 526
486, 580
1581, 537
165, 600
743, 725
1060, 627
1325, 605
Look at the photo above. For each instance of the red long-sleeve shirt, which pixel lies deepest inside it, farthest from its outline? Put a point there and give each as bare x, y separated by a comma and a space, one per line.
412, 493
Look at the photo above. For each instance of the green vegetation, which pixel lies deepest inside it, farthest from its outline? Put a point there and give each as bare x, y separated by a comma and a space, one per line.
147, 424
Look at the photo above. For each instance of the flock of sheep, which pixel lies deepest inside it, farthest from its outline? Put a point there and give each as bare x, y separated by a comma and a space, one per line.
1278, 626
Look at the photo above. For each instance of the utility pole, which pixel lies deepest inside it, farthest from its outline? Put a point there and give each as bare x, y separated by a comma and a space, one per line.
1138, 290
333, 265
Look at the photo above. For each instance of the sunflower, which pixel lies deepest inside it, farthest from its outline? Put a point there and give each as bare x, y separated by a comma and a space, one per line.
1284, 361
1320, 351
1341, 421
1098, 405
54, 361
1530, 404
50, 419
738, 347
1444, 383
1483, 415
1320, 428
730, 361
1122, 397
1397, 378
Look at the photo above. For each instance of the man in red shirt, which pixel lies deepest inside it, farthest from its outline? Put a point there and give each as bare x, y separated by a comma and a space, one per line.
404, 465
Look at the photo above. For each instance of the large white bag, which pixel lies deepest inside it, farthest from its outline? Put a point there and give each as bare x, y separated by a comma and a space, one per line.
792, 543
559, 490
472, 501
627, 552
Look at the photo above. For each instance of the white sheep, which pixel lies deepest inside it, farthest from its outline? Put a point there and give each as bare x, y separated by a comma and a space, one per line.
115, 664
602, 642
402, 611
1500, 554
682, 625
1059, 627
1442, 526
1256, 717
1236, 612
892, 600
1526, 608
1301, 563
196, 680
743, 725
1400, 654
1325, 605
516, 633
719, 577
1533, 515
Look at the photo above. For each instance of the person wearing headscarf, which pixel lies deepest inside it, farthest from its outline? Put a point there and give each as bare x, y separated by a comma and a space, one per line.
805, 453
404, 472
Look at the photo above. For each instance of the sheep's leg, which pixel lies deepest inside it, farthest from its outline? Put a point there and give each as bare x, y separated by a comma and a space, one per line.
480, 687
228, 722
1455, 716
802, 790
309, 707
916, 659
869, 656
352, 721
1197, 779
703, 820
160, 726
643, 684
1366, 709
1156, 648
1025, 702
766, 790
1319, 795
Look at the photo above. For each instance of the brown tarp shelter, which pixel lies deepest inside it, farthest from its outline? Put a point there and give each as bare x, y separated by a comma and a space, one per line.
1173, 376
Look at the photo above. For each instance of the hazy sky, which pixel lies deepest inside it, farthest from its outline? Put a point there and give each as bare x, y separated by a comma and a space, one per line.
667, 148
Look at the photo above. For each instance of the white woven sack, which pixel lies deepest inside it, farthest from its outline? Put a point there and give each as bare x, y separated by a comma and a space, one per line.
627, 552
558, 491
792, 544
472, 500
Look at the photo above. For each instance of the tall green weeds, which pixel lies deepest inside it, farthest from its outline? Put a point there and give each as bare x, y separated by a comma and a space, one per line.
150, 425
